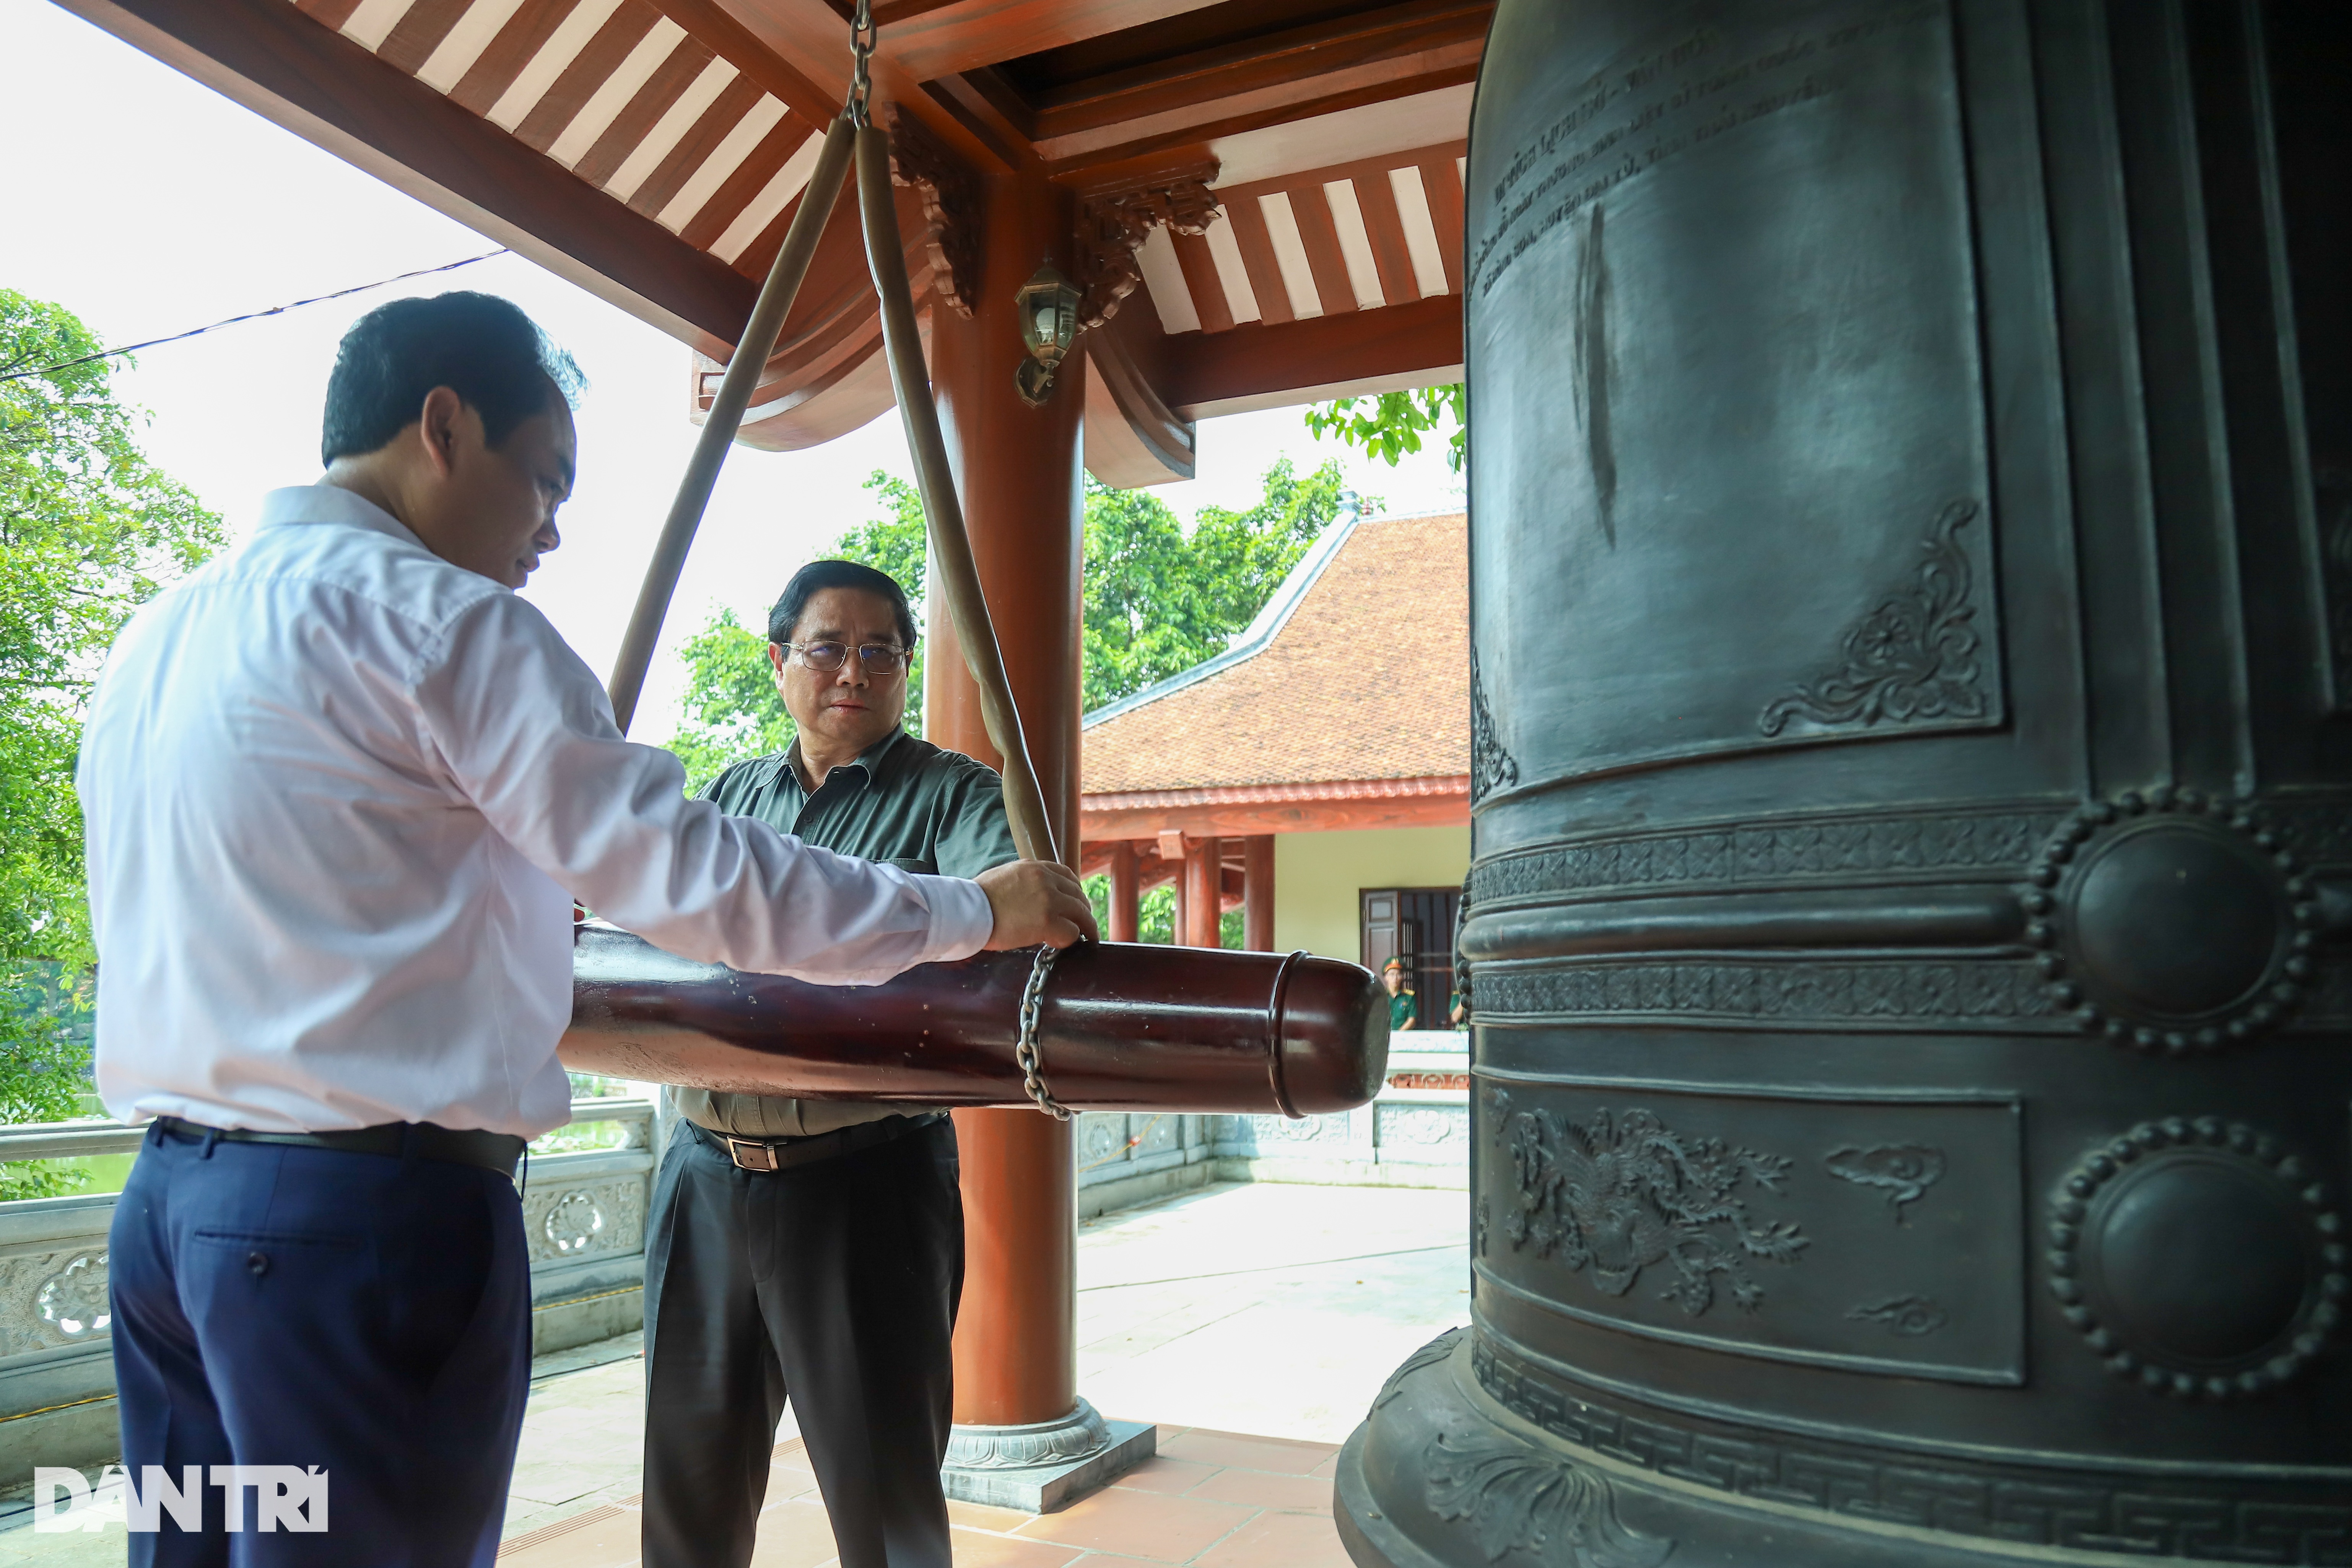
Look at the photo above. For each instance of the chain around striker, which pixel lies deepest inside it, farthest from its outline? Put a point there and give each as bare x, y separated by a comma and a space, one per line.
862, 35
1024, 1055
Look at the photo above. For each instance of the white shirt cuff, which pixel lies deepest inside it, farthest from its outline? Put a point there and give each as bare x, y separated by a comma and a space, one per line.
961, 921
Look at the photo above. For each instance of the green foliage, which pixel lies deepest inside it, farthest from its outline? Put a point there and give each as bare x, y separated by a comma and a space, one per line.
732, 712
88, 530
1155, 914
1159, 602
896, 544
1392, 424
45, 1017
585, 1132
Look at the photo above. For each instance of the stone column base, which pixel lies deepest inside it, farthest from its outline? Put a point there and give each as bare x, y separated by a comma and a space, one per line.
1046, 1465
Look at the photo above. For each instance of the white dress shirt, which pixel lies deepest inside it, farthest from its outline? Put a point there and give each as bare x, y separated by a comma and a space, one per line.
339, 796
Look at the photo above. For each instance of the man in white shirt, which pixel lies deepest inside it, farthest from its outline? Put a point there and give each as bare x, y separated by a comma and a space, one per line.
342, 786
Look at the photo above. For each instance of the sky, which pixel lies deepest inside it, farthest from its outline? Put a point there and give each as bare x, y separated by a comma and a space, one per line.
147, 204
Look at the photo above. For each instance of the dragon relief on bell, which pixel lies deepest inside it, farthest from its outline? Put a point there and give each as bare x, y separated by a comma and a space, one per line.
1618, 1194
2171, 922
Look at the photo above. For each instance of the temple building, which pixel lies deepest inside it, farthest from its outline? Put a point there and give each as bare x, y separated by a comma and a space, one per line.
1322, 763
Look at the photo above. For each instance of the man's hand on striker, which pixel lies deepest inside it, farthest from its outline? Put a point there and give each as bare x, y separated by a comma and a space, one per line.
1035, 901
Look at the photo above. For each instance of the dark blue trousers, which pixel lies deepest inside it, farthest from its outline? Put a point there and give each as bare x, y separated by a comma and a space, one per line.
366, 1314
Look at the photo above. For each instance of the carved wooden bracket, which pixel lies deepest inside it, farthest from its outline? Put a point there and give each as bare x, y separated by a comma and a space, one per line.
1112, 225
951, 194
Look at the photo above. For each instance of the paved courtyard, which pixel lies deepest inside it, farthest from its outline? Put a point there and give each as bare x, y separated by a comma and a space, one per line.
1254, 1322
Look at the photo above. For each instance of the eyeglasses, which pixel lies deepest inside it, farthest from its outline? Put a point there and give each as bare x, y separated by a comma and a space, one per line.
874, 658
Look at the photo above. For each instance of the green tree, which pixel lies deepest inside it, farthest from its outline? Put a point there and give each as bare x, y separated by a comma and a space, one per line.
1159, 601
1155, 914
731, 713
88, 530
1389, 424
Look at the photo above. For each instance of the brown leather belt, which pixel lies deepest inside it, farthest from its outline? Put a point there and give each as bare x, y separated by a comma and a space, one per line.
767, 1155
496, 1152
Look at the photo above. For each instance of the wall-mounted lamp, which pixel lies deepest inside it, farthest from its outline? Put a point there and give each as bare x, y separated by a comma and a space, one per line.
1048, 304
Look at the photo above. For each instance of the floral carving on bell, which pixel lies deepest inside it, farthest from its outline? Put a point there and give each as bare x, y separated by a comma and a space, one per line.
1912, 657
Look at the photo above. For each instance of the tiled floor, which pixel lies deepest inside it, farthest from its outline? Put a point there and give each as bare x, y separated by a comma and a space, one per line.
1218, 1499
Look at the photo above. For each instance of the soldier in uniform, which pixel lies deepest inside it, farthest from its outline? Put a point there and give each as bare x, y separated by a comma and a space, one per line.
815, 1248
1405, 1007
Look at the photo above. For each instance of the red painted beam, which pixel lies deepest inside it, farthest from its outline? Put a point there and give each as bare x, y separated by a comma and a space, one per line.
1254, 361
1248, 819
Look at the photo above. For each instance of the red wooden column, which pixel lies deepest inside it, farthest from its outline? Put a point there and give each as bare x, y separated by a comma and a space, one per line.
1257, 892
1017, 470
1205, 891
1125, 893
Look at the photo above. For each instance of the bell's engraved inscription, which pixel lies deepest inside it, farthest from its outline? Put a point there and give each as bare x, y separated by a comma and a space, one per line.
1907, 1171
1618, 1194
1641, 113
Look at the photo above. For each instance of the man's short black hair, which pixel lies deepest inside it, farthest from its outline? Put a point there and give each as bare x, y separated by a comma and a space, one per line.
480, 346
818, 575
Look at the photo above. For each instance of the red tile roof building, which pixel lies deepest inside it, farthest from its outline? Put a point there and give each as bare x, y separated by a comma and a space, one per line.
1345, 705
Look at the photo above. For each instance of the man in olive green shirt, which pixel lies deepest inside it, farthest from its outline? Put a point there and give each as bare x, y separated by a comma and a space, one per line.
815, 1248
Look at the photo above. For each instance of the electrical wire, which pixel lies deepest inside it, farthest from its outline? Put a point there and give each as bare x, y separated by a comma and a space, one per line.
255, 316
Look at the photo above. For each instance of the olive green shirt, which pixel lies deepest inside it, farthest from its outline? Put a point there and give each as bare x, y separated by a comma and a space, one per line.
907, 802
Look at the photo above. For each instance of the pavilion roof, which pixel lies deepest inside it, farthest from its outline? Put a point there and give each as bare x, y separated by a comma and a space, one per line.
1354, 681
1278, 181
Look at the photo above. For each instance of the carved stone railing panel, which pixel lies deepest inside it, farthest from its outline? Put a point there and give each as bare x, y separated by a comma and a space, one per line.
1102, 1140
593, 1207
583, 1223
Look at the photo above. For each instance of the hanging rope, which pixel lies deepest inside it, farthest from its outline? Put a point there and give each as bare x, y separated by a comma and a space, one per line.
955, 572
726, 418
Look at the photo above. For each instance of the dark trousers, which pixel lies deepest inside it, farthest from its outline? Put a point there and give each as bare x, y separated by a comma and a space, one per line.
833, 1282
366, 1314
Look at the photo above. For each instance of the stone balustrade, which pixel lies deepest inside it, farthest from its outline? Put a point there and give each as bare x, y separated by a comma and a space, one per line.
1416, 1134
583, 1218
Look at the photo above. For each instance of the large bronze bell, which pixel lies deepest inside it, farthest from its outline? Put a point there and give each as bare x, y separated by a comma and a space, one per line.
1911, 540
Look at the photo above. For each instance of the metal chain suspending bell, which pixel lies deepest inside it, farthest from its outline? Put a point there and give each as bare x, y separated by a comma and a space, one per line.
862, 35
1024, 1054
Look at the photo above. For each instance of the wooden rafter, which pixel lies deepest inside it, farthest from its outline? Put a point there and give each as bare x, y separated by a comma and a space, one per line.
653, 151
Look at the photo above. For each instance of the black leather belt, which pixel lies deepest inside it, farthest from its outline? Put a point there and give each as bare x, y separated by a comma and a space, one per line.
496, 1152
766, 1155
